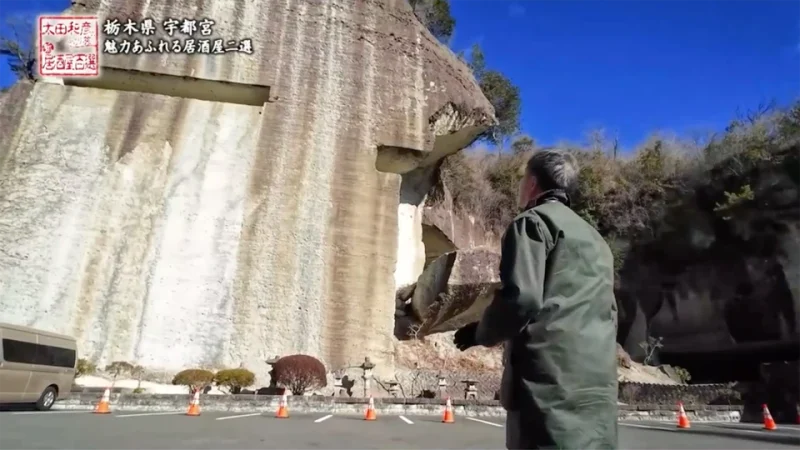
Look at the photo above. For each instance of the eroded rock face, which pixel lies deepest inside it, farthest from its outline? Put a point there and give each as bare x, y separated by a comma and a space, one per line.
249, 212
445, 229
723, 293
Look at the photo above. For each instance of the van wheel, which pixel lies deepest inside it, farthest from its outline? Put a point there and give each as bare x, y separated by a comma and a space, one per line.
47, 399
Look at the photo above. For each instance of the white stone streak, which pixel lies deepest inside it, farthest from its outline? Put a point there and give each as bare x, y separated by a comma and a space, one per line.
198, 246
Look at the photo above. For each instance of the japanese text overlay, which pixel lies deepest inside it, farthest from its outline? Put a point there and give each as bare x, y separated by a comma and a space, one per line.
178, 36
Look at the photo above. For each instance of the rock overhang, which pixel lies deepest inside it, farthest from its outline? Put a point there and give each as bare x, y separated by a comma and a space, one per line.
440, 95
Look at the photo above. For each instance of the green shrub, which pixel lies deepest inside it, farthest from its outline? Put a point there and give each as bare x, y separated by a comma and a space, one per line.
194, 379
300, 373
84, 367
683, 374
235, 379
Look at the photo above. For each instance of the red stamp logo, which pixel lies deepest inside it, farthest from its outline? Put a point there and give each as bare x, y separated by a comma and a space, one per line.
68, 46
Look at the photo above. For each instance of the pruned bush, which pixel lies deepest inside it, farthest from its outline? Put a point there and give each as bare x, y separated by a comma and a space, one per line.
300, 373
118, 368
194, 379
84, 367
235, 379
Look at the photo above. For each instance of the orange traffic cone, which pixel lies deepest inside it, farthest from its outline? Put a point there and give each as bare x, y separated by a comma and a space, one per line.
769, 422
102, 406
370, 414
448, 412
194, 405
283, 411
683, 419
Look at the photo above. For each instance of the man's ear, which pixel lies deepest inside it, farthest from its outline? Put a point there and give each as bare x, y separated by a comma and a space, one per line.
534, 187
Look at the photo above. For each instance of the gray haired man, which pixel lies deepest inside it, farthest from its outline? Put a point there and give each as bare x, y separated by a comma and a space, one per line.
556, 314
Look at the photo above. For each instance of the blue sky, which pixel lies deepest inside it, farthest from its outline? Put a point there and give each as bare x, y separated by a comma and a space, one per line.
631, 67
636, 66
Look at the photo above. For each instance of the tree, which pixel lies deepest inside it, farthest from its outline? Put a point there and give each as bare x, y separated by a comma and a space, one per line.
138, 372
118, 368
501, 93
197, 380
18, 47
650, 346
522, 145
84, 367
235, 379
435, 16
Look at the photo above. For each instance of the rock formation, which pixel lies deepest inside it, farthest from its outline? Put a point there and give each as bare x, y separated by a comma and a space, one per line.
723, 292
186, 210
460, 274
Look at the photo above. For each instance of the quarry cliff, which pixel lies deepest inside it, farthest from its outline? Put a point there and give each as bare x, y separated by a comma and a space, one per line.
187, 211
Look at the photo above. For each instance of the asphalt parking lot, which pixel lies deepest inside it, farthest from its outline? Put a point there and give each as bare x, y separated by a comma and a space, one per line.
175, 430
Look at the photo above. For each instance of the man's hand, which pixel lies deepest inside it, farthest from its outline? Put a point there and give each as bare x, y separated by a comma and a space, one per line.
465, 337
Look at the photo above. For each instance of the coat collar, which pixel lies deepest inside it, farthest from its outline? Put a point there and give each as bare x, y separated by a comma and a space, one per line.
553, 195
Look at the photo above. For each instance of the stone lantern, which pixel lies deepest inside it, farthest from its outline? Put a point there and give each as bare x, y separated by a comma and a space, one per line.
470, 389
337, 383
442, 385
394, 389
273, 383
367, 367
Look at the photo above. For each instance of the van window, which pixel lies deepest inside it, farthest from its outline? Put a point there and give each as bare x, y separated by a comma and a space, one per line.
30, 353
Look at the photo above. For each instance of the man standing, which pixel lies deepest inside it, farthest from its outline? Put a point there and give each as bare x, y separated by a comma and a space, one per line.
556, 314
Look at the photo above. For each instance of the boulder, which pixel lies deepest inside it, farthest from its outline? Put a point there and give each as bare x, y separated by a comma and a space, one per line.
453, 290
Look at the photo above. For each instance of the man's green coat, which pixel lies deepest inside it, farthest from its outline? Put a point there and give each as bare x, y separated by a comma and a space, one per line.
557, 315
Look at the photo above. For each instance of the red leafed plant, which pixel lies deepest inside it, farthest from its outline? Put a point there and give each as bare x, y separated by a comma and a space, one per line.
300, 373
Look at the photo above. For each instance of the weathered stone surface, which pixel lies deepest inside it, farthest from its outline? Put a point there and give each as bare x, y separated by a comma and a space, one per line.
445, 229
623, 358
189, 210
453, 290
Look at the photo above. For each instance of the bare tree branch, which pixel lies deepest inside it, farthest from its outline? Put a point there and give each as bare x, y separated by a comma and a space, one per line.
18, 45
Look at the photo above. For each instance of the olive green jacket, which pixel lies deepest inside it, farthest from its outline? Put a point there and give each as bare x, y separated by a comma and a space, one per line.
557, 315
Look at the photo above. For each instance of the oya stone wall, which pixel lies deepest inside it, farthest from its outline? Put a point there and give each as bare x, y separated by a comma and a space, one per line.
210, 211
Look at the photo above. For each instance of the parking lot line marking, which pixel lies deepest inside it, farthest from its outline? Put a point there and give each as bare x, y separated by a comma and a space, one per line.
678, 430
647, 427
239, 416
22, 413
150, 414
322, 419
404, 419
484, 422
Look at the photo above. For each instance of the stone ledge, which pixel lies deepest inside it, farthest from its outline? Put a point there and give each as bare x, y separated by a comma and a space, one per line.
352, 405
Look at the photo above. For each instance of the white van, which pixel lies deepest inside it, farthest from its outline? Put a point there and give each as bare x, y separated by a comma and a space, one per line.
35, 366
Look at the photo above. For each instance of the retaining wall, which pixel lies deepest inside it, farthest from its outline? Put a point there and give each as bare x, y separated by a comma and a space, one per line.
351, 405
666, 394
